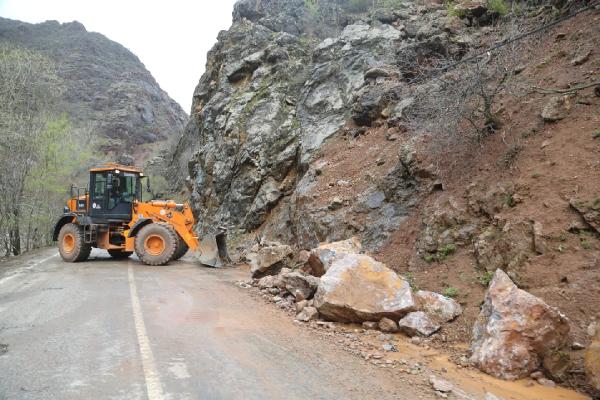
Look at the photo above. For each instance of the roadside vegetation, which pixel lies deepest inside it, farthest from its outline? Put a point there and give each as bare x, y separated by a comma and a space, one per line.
41, 152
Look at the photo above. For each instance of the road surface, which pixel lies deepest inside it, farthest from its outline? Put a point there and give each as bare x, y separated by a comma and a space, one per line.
105, 329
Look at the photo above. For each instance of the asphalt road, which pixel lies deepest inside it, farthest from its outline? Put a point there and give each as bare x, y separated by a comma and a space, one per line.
107, 329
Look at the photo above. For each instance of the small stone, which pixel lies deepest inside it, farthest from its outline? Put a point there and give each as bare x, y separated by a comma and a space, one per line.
307, 314
300, 305
380, 161
577, 346
440, 385
545, 144
581, 57
491, 396
384, 337
389, 347
335, 203
536, 375
388, 325
369, 325
546, 382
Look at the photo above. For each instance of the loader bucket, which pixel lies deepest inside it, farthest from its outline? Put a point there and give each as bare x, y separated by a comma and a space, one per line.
213, 250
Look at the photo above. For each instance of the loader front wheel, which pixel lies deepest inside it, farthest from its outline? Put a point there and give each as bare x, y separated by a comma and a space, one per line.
119, 254
71, 245
156, 244
182, 248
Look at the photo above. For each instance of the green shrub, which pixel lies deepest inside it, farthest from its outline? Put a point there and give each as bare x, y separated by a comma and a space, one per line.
596, 134
454, 11
450, 291
446, 250
498, 6
486, 278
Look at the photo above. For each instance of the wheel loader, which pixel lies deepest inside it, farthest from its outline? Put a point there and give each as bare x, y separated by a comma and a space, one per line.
110, 214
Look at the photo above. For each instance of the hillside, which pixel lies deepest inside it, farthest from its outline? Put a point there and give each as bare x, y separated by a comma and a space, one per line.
107, 88
402, 124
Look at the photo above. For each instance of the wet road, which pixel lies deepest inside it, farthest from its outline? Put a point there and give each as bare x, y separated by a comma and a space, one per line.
107, 329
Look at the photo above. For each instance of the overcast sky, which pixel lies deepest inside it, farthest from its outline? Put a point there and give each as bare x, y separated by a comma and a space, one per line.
171, 37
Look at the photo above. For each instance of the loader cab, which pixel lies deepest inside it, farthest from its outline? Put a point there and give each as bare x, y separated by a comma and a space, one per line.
113, 192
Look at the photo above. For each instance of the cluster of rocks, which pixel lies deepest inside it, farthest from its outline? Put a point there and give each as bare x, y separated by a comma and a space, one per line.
516, 335
336, 282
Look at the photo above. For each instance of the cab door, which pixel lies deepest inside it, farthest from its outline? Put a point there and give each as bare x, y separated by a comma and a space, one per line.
98, 194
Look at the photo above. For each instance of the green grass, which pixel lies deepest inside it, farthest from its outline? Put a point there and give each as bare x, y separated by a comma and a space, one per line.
410, 278
596, 134
450, 291
585, 244
498, 6
453, 11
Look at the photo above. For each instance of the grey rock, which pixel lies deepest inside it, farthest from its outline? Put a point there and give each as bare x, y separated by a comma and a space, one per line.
387, 325
301, 286
440, 385
555, 109
270, 260
437, 306
307, 314
418, 323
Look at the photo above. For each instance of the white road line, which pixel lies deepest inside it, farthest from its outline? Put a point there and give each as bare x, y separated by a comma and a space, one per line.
27, 268
153, 385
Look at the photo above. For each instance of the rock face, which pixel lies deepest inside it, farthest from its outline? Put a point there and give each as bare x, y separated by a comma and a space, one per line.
287, 76
592, 362
357, 288
515, 330
105, 85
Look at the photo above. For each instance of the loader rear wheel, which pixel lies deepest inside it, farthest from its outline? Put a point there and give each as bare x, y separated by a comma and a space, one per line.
182, 248
156, 243
71, 245
119, 254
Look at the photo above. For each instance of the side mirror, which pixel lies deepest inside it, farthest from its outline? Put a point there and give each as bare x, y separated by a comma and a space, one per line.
148, 185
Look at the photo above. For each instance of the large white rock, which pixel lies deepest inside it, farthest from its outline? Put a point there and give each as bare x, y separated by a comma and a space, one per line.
358, 288
320, 259
515, 330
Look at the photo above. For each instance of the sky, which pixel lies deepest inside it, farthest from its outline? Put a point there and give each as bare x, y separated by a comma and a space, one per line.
170, 37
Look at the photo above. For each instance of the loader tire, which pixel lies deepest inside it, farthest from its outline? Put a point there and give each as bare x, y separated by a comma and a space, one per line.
156, 243
119, 254
71, 245
182, 248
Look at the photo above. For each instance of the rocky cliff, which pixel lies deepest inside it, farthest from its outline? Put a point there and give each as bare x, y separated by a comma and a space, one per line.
406, 125
283, 79
107, 88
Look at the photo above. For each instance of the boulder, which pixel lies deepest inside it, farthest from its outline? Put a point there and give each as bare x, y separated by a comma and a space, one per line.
418, 323
592, 362
438, 307
320, 259
388, 325
270, 260
308, 313
266, 282
357, 288
301, 286
515, 330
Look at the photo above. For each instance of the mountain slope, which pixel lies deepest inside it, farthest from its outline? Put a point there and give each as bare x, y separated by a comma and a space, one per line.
106, 86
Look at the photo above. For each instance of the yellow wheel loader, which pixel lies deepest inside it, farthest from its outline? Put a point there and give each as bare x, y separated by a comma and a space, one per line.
112, 215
